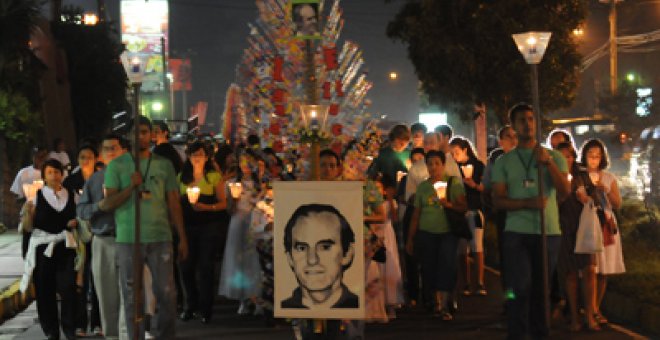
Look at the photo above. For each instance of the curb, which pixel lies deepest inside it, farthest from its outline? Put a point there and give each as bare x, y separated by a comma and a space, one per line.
12, 301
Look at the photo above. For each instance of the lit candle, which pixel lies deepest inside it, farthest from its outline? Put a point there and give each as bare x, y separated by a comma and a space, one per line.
467, 170
570, 177
236, 189
440, 189
39, 184
30, 191
193, 194
399, 175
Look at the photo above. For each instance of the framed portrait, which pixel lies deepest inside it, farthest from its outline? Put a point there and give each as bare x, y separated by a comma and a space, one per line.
306, 19
319, 250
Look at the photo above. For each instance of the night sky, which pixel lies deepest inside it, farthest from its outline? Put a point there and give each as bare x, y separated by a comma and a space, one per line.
214, 32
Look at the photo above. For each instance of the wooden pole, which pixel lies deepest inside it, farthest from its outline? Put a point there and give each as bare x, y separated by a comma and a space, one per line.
544, 243
137, 256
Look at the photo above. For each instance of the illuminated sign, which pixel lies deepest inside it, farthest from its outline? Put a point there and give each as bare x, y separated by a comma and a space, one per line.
143, 24
644, 101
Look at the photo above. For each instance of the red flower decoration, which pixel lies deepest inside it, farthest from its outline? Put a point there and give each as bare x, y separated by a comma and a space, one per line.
336, 129
278, 146
334, 109
274, 128
278, 65
278, 96
338, 88
326, 90
330, 58
280, 110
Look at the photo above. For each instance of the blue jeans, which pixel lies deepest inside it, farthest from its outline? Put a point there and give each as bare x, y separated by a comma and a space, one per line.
523, 269
158, 257
437, 255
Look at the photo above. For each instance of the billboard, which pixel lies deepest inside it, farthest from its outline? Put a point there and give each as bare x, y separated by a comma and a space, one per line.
143, 24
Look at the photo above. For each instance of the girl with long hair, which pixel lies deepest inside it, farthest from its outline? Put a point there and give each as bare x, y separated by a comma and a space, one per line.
206, 221
472, 171
604, 190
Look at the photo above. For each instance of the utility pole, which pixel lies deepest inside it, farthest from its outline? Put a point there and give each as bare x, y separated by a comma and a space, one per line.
613, 47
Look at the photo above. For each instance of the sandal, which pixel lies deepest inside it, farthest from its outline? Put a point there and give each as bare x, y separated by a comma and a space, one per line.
600, 318
445, 315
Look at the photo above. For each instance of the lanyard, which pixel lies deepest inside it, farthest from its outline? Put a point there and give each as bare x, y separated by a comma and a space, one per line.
146, 173
529, 163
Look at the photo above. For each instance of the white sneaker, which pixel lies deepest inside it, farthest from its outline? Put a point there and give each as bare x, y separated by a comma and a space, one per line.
244, 308
148, 335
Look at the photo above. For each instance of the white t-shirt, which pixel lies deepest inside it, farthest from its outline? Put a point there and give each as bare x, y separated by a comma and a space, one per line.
61, 156
26, 175
417, 174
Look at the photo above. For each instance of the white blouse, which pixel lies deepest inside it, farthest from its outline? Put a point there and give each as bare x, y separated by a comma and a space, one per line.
57, 200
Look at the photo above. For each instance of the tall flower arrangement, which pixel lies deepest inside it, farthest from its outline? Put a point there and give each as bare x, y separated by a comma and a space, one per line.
269, 81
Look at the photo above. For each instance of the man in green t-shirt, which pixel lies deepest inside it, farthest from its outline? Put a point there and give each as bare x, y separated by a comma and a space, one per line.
515, 190
159, 210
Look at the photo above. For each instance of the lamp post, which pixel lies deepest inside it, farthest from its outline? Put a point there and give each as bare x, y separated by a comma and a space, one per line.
532, 46
314, 118
134, 67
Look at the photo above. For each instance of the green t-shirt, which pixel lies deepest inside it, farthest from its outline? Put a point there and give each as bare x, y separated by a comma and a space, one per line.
432, 217
389, 162
513, 169
206, 185
154, 212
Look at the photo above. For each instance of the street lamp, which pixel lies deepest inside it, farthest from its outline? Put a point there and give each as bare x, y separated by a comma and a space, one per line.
532, 46
90, 19
134, 67
314, 117
394, 75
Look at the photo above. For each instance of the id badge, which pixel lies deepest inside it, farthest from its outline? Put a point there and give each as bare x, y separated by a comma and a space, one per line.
529, 183
145, 194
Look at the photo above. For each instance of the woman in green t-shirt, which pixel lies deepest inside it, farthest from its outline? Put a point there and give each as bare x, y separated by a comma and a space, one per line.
430, 237
206, 221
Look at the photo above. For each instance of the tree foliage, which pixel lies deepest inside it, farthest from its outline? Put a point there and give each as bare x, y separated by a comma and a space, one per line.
19, 67
18, 122
463, 52
96, 76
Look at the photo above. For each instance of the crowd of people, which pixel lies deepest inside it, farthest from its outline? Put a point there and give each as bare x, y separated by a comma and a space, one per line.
211, 208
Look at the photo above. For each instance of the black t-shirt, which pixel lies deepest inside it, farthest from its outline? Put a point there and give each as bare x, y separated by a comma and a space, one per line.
168, 151
74, 182
472, 195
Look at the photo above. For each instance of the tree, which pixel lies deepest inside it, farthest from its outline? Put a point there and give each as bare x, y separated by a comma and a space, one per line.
97, 78
463, 52
19, 96
19, 67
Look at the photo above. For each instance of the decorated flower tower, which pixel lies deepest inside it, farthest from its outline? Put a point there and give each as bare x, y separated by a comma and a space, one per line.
288, 67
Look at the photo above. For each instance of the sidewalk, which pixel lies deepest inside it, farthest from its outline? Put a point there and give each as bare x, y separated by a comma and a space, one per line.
478, 318
11, 269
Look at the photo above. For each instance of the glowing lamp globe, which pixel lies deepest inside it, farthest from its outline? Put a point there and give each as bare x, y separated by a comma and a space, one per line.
134, 66
532, 45
314, 116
